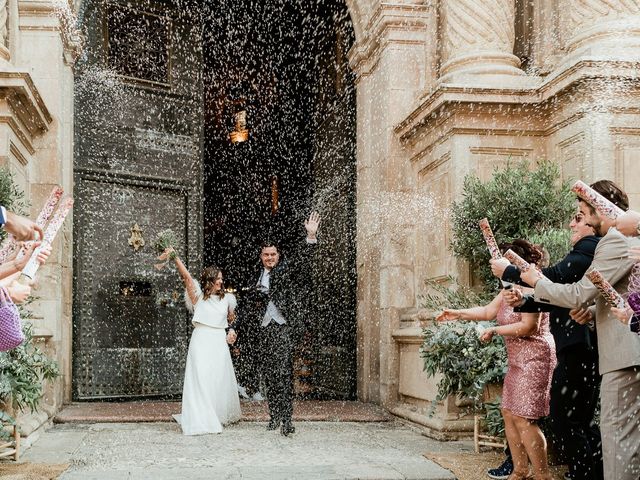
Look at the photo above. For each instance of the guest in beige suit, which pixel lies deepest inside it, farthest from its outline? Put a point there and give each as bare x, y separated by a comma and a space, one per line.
619, 348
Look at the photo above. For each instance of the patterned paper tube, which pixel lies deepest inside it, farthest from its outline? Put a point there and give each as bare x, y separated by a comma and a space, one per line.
47, 211
597, 201
609, 293
32, 266
489, 239
517, 260
45, 214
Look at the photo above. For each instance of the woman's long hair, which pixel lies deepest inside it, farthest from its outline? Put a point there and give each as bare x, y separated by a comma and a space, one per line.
208, 281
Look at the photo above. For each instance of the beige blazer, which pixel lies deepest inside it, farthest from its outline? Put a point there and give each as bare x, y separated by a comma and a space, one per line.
618, 347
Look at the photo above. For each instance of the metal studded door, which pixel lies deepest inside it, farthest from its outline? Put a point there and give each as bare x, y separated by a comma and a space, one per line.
131, 329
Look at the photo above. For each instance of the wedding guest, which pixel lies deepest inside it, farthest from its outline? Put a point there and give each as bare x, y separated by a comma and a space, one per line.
210, 391
20, 227
630, 315
531, 360
629, 223
618, 348
10, 271
280, 294
575, 384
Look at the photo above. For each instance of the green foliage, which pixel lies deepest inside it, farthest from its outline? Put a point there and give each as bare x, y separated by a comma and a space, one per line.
166, 239
519, 203
466, 364
451, 294
23, 371
493, 421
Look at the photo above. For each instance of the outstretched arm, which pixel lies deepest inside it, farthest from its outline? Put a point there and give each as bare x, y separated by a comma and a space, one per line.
184, 274
478, 314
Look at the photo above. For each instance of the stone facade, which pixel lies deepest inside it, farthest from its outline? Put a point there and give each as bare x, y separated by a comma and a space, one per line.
443, 93
438, 96
37, 52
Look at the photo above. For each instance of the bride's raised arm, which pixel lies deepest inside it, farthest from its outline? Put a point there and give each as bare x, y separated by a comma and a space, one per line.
189, 282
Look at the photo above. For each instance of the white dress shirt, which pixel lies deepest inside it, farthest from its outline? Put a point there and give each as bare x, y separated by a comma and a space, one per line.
272, 312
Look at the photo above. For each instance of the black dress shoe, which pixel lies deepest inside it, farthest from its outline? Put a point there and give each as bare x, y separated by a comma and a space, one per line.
287, 428
273, 424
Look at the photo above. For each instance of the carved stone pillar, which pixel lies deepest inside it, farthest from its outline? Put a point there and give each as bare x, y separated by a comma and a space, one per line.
478, 38
4, 30
601, 27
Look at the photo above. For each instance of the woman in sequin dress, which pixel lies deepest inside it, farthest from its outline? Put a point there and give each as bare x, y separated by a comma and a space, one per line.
531, 360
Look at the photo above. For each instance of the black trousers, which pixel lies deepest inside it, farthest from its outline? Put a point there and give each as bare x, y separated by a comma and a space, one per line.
574, 397
277, 369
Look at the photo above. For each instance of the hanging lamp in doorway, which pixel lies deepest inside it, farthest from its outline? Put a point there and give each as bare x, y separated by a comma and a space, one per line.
240, 133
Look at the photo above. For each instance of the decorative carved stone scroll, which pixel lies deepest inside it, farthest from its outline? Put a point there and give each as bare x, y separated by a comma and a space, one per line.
601, 24
4, 29
479, 37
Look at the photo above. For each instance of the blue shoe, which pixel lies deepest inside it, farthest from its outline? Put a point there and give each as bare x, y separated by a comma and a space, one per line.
503, 471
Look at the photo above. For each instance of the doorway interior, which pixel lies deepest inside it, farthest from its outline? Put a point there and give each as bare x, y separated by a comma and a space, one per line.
279, 141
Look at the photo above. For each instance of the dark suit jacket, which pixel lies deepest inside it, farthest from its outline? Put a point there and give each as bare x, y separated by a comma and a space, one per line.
570, 269
290, 289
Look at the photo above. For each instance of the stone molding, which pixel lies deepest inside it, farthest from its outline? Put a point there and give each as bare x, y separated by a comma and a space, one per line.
390, 23
29, 116
431, 111
53, 16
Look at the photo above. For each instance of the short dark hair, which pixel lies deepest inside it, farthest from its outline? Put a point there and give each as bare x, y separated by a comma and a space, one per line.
269, 243
529, 252
611, 192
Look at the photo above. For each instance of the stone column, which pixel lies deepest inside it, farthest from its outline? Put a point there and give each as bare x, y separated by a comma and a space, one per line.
4, 30
607, 28
478, 39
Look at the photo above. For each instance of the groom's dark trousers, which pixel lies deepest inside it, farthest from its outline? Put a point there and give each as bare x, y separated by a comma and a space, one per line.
277, 369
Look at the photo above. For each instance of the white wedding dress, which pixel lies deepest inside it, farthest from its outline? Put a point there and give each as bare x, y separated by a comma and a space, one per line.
210, 392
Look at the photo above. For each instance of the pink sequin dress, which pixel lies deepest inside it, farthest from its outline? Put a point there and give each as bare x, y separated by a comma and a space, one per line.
531, 362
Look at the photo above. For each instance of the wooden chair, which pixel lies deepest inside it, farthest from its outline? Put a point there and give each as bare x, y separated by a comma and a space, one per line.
480, 440
12, 448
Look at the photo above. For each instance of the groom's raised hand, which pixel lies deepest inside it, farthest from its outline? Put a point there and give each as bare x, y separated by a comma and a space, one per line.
311, 225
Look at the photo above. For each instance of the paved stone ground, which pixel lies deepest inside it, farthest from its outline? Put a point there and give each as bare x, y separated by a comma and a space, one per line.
161, 411
318, 450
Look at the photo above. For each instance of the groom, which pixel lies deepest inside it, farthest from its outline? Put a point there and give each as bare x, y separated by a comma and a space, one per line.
279, 295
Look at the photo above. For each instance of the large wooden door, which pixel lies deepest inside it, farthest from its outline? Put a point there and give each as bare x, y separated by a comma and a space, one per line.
138, 161
131, 329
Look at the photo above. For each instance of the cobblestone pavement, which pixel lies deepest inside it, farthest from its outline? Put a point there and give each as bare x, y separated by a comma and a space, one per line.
318, 450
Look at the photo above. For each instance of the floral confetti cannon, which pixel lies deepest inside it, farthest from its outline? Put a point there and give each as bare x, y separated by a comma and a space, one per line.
519, 262
44, 216
29, 271
489, 239
597, 201
609, 293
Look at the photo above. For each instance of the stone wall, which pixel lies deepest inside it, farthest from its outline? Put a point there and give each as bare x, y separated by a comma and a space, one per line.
442, 94
38, 50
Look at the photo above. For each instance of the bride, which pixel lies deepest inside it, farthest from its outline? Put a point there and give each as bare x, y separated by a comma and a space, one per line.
210, 392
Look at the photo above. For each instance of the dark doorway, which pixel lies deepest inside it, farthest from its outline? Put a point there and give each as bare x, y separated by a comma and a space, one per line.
159, 89
277, 79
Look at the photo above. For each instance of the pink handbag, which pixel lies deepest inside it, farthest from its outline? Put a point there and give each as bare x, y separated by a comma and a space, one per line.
10, 327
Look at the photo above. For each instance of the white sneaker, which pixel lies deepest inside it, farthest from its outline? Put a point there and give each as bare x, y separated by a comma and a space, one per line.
257, 397
243, 392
